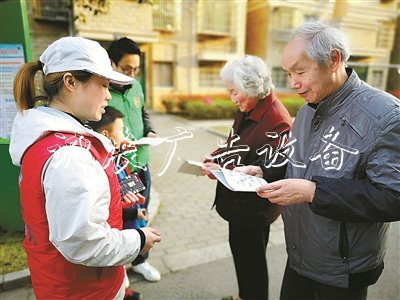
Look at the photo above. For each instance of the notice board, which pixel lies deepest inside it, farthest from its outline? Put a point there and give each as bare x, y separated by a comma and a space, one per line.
11, 58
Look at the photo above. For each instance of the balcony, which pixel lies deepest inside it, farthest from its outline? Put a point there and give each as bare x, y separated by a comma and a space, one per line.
167, 15
217, 50
214, 19
123, 18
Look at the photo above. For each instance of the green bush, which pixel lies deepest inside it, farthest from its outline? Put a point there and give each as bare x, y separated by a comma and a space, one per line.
215, 109
292, 104
176, 103
169, 105
218, 106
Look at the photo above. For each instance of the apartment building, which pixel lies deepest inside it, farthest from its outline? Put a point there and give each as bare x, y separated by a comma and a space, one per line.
185, 42
369, 25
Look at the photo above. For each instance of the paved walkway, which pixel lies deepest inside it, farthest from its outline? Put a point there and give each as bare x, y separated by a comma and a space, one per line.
192, 233
194, 257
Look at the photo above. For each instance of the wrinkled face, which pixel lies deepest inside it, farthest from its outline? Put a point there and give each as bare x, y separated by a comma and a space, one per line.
311, 81
115, 132
93, 96
243, 103
129, 65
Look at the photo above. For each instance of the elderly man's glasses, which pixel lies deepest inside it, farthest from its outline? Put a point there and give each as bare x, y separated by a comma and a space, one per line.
127, 70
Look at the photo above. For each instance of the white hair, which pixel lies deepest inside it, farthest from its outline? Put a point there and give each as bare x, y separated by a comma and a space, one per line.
321, 41
249, 74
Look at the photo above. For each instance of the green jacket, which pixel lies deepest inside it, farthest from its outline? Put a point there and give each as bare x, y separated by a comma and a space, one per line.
130, 101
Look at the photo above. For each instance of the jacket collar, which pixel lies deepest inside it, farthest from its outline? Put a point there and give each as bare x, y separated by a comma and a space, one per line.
334, 101
261, 108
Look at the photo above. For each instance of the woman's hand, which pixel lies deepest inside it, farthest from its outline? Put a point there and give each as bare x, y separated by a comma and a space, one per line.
152, 237
250, 170
207, 167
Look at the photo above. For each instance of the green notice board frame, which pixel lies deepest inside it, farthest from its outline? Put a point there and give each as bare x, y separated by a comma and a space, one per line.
14, 29
10, 212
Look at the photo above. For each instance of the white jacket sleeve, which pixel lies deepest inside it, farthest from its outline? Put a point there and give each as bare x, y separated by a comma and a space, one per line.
77, 196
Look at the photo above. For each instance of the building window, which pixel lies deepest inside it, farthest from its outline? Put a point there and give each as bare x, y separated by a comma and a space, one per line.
377, 78
310, 18
50, 10
384, 35
282, 18
279, 77
214, 17
167, 15
163, 75
209, 74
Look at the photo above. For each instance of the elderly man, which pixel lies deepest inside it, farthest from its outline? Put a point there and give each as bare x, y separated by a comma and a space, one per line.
342, 172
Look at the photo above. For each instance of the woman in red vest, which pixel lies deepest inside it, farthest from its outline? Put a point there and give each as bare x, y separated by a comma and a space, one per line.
70, 198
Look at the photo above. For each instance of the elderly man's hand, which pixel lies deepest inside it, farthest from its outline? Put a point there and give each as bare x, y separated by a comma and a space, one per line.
288, 191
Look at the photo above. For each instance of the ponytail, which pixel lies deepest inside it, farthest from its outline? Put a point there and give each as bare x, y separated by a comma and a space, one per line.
51, 85
24, 85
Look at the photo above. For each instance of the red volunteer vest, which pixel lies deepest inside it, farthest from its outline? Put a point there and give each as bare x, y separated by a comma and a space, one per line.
52, 276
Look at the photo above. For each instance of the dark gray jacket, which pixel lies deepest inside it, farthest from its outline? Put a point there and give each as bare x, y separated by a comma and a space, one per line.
349, 144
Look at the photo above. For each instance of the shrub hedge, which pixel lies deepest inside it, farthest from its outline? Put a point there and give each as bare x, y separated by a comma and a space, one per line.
216, 109
217, 106
292, 104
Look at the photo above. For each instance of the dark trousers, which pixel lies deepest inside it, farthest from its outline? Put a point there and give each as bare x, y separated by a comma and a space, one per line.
298, 287
248, 248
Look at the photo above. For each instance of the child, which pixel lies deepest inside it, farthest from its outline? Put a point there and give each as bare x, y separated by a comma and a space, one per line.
70, 199
111, 125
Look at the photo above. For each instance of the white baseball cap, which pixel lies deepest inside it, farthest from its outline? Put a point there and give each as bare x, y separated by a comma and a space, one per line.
77, 53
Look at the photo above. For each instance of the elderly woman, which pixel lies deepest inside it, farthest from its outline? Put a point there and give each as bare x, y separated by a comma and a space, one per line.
260, 124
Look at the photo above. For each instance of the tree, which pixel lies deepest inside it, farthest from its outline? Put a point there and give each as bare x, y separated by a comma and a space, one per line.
83, 7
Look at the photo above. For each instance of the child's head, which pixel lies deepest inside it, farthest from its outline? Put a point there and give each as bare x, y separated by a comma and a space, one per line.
77, 73
111, 125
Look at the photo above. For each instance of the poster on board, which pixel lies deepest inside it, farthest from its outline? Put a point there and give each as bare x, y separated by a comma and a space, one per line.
11, 58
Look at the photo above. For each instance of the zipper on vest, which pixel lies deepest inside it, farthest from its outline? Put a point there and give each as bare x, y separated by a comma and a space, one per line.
344, 121
343, 242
